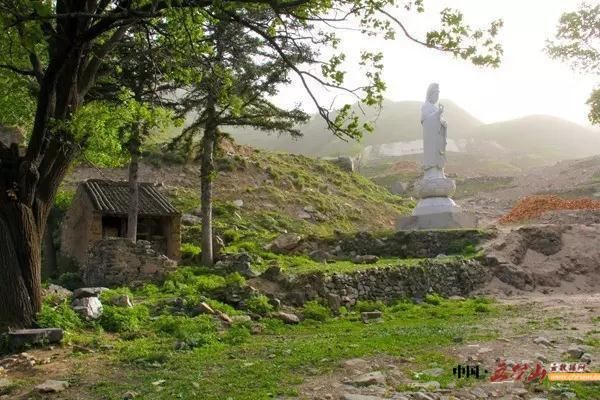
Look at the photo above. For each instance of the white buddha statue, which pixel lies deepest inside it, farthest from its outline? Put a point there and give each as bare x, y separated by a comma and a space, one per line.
434, 134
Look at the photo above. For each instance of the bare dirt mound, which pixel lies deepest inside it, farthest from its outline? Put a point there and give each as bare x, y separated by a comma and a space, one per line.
535, 206
559, 259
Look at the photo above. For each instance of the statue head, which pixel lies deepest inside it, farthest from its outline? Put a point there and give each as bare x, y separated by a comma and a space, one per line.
433, 93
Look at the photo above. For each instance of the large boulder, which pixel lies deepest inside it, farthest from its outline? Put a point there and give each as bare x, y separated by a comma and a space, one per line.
89, 308
285, 242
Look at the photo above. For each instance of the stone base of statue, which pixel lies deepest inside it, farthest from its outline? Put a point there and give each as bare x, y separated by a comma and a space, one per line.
436, 210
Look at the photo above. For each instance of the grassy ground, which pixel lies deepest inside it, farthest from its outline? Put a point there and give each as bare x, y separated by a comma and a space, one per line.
235, 364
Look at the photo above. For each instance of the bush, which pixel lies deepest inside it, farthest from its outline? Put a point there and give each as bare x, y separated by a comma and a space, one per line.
433, 299
107, 296
61, 316
124, 320
237, 334
63, 199
189, 250
315, 311
259, 304
482, 308
195, 331
369, 305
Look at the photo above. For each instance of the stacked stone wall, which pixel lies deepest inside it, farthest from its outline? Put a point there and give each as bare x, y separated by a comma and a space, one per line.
118, 262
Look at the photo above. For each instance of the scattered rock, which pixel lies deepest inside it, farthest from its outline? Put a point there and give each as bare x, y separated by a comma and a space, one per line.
285, 242
433, 372
239, 203
303, 215
130, 395
542, 358
586, 358
57, 292
224, 317
287, 318
431, 385
576, 352
371, 316
204, 308
23, 337
479, 393
89, 308
334, 301
5, 385
52, 386
320, 256
355, 363
88, 292
240, 319
273, 274
368, 379
121, 301
310, 209
350, 396
422, 396
543, 341
365, 259
190, 220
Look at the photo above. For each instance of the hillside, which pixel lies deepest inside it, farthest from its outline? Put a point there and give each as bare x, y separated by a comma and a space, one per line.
280, 192
518, 144
539, 136
397, 121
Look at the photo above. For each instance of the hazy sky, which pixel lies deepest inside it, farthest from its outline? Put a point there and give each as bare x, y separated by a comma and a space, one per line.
527, 82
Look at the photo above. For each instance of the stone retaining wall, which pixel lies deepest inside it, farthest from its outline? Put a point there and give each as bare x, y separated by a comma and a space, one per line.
453, 278
118, 262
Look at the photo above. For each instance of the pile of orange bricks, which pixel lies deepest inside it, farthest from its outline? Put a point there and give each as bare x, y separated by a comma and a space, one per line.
534, 206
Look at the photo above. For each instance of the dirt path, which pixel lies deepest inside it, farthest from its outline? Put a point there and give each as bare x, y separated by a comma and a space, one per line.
539, 328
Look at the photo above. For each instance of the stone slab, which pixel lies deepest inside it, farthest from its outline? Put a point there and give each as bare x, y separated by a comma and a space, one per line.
443, 220
23, 337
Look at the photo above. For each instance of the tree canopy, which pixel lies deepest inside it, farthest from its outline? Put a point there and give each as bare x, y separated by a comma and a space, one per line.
578, 43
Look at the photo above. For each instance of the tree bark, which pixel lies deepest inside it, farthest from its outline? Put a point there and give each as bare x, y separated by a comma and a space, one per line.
206, 176
134, 207
20, 267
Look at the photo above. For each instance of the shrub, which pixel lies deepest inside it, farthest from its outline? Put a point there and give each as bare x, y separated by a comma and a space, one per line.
433, 299
235, 279
190, 253
482, 308
63, 199
61, 316
315, 311
259, 304
108, 295
237, 334
124, 320
369, 305
198, 331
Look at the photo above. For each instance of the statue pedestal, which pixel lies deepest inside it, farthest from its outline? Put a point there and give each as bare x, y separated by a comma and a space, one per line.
436, 210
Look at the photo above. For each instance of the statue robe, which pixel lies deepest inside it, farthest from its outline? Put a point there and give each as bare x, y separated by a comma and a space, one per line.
434, 137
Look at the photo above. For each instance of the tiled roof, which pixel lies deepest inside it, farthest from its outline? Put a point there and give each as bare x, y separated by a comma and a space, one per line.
112, 198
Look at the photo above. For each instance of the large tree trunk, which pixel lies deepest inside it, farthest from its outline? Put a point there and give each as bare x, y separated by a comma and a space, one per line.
206, 176
134, 206
20, 266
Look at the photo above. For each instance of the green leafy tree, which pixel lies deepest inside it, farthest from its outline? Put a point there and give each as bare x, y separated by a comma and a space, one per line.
65, 43
240, 71
578, 43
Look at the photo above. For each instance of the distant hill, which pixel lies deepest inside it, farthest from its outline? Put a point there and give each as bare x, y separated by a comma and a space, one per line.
397, 121
538, 136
